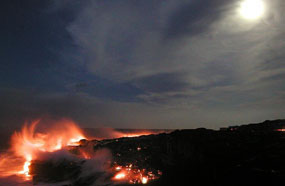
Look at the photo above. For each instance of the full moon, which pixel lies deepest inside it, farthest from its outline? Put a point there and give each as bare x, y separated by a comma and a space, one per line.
252, 9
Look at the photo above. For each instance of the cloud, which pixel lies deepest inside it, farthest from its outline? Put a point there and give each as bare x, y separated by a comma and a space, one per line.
195, 17
165, 82
185, 54
123, 43
176, 63
19, 106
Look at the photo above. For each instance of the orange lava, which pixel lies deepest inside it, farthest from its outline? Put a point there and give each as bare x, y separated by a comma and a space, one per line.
28, 144
144, 180
129, 174
136, 134
120, 175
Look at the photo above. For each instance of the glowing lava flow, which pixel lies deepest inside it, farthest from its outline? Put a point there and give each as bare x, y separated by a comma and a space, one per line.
144, 180
134, 175
139, 133
120, 175
26, 169
29, 144
132, 135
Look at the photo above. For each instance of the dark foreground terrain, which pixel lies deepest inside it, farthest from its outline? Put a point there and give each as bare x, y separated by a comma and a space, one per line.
242, 155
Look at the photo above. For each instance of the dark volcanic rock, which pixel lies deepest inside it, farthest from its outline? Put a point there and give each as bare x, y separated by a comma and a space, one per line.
246, 155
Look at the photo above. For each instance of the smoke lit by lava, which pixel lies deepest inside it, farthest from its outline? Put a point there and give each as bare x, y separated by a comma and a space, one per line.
31, 144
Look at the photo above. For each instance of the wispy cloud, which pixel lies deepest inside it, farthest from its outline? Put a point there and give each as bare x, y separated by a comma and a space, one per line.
175, 63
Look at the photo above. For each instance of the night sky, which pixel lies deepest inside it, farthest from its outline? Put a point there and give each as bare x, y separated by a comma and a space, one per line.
142, 63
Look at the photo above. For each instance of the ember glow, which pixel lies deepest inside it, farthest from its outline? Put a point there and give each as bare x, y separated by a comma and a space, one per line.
144, 180
120, 175
133, 175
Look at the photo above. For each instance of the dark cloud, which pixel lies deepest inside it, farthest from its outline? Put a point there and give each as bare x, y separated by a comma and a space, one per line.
106, 89
28, 105
195, 17
165, 82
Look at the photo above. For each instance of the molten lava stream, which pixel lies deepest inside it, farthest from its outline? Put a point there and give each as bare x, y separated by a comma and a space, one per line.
26, 168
